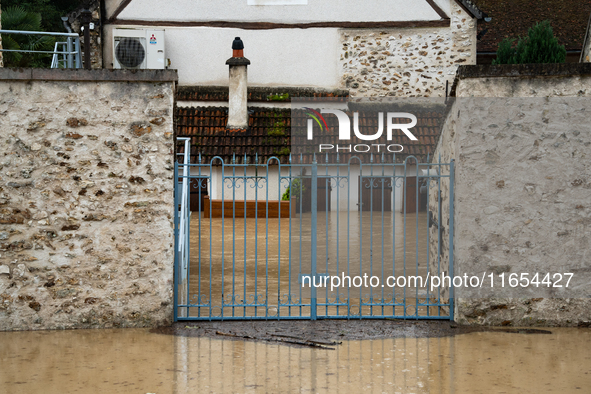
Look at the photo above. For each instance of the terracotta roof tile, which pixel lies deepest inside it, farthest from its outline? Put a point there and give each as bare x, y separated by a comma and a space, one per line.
269, 135
258, 93
513, 18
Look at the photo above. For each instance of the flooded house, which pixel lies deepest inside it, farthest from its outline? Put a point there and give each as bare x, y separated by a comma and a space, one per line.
138, 195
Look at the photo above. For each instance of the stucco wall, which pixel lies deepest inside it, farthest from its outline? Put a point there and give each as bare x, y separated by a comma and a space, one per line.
314, 11
405, 62
409, 62
521, 191
281, 57
86, 198
439, 203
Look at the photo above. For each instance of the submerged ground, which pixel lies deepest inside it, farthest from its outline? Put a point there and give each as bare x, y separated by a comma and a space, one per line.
305, 356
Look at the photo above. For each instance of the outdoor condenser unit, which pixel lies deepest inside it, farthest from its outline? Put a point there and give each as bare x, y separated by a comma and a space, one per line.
138, 49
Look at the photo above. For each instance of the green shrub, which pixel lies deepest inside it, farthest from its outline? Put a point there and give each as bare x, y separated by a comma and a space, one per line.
296, 187
540, 46
506, 52
17, 18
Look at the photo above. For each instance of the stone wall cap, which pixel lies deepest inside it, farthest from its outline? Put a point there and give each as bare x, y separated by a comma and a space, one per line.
521, 71
81, 75
524, 70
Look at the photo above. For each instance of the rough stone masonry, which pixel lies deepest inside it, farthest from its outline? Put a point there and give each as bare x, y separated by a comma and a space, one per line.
519, 137
86, 191
407, 62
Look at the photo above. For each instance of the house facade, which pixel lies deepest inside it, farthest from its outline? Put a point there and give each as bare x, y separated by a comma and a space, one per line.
371, 48
300, 48
271, 138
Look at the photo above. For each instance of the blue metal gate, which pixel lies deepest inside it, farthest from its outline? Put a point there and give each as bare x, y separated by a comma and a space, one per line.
251, 249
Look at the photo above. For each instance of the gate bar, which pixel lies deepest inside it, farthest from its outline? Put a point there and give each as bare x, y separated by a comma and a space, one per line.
313, 300
451, 237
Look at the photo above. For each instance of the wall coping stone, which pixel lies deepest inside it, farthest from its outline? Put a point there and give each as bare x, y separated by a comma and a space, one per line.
82, 75
520, 71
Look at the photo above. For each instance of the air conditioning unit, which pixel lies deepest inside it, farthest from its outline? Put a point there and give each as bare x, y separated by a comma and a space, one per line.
138, 49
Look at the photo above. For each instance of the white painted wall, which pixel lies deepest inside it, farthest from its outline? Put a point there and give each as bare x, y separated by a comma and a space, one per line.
217, 187
282, 57
314, 11
348, 195
111, 6
445, 5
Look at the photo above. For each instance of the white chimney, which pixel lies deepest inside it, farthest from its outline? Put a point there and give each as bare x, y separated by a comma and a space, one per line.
237, 111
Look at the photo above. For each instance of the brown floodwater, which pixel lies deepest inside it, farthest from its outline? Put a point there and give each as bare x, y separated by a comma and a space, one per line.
137, 361
250, 260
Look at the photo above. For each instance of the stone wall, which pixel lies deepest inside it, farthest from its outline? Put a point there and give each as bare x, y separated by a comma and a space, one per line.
410, 62
522, 187
439, 203
86, 198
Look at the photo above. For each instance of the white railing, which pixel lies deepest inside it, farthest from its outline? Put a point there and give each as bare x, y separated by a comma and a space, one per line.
71, 52
184, 222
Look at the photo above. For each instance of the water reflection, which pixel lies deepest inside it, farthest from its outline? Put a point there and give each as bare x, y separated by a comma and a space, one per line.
136, 361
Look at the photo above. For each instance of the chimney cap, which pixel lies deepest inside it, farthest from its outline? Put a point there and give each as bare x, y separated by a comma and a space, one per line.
237, 44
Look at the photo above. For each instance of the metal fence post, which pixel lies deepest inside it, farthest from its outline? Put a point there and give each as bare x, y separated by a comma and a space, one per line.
176, 240
78, 60
451, 237
70, 56
314, 191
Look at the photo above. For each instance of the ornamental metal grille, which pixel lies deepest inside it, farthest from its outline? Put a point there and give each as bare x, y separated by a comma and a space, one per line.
268, 240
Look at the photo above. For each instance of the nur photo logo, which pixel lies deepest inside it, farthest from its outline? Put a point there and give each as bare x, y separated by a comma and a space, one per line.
391, 122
